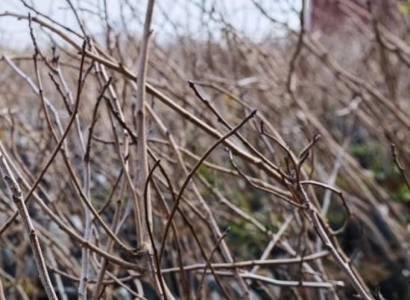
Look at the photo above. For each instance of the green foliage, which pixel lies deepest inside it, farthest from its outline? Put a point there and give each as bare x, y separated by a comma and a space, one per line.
336, 214
206, 173
404, 7
377, 158
245, 239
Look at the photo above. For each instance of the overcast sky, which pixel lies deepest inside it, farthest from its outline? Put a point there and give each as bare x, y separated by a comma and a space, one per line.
242, 14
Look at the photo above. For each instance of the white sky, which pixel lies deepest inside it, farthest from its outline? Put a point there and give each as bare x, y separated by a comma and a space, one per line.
242, 14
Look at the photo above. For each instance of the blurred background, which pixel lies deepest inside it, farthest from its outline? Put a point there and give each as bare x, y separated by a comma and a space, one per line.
338, 69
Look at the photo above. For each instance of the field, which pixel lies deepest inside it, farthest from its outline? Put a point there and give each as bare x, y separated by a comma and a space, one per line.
205, 165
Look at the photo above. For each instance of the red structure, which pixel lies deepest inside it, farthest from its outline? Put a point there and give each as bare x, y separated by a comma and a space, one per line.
328, 16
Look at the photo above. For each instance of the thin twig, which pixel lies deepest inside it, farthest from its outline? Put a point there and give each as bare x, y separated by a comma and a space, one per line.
30, 231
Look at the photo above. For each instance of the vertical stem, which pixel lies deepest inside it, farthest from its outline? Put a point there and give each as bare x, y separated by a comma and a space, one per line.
2, 297
144, 218
141, 131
